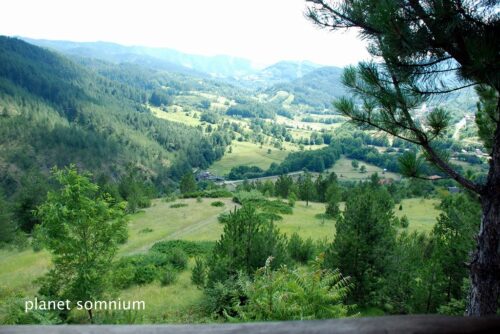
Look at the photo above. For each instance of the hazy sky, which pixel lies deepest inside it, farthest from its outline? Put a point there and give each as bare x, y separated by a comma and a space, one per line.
264, 31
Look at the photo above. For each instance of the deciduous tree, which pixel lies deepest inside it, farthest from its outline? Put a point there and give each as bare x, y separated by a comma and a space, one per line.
82, 231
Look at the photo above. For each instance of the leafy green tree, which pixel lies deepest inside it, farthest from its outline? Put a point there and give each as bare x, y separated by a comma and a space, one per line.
355, 164
321, 184
188, 183
82, 231
362, 169
424, 49
364, 239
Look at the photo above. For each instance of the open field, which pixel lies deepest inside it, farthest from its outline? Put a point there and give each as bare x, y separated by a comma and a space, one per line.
345, 172
421, 213
245, 153
175, 114
196, 221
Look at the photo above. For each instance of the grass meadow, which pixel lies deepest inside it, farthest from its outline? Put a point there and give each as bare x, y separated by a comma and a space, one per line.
180, 302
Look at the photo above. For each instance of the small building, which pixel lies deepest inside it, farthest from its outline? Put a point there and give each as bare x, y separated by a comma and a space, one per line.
454, 190
205, 175
435, 177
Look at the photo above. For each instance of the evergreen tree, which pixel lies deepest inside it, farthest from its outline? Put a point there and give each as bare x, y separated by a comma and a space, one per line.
199, 273
7, 226
282, 185
364, 240
247, 241
333, 198
420, 46
306, 187
454, 234
32, 193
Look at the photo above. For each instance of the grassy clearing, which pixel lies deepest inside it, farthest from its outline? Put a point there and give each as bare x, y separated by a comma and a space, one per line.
20, 269
306, 223
345, 172
176, 303
245, 153
172, 223
176, 115
421, 213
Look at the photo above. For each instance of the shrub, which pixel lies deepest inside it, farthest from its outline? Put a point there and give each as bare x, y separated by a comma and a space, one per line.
299, 250
286, 294
222, 298
138, 269
191, 248
145, 274
404, 221
199, 273
168, 276
178, 205
123, 275
178, 258
217, 203
213, 193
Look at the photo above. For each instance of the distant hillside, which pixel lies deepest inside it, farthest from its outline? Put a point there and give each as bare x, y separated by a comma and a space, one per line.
158, 58
283, 71
317, 89
54, 111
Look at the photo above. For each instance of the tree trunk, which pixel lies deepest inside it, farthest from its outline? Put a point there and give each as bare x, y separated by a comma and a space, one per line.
485, 264
91, 318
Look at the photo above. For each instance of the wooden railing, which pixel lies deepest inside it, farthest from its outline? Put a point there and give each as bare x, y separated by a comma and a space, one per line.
390, 324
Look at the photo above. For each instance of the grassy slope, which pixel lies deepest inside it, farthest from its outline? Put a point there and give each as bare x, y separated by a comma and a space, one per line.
245, 153
422, 213
175, 115
345, 172
197, 221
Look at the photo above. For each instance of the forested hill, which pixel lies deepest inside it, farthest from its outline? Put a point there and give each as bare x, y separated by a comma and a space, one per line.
158, 58
54, 111
318, 88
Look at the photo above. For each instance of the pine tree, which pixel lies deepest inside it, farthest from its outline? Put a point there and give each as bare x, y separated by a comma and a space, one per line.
419, 45
199, 273
364, 239
306, 188
249, 238
7, 226
333, 198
